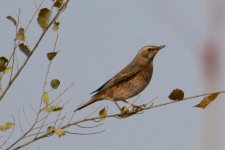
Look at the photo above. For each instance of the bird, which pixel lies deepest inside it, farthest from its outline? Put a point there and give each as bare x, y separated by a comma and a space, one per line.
130, 81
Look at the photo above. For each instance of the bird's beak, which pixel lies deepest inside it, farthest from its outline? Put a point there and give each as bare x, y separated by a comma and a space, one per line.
161, 47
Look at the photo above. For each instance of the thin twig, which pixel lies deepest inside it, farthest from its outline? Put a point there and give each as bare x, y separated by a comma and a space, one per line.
88, 127
111, 116
64, 91
10, 135
25, 117
60, 113
33, 50
39, 130
91, 133
20, 125
23, 65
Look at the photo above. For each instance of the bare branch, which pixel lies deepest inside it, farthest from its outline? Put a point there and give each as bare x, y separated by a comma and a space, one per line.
10, 135
33, 50
20, 125
91, 133
21, 68
46, 134
25, 117
85, 127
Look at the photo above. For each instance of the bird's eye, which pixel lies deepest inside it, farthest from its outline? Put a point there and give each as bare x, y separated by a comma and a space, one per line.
149, 49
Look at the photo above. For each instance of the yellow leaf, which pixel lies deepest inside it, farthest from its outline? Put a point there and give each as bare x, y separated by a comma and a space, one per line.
58, 3
24, 49
55, 83
57, 108
51, 55
7, 70
125, 109
11, 19
60, 132
20, 34
49, 109
53, 108
6, 126
55, 26
176, 94
45, 98
207, 100
44, 17
102, 114
51, 129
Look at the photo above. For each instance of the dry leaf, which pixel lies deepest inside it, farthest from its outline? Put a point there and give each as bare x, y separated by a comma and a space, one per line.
102, 114
55, 26
20, 34
53, 108
55, 83
24, 49
60, 132
57, 108
44, 17
51, 55
6, 126
11, 19
176, 94
58, 3
207, 100
3, 62
7, 70
51, 129
125, 109
45, 98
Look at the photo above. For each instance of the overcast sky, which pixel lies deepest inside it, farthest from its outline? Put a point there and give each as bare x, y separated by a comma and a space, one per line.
97, 38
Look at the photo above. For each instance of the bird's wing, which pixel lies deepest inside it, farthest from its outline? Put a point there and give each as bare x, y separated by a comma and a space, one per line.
124, 74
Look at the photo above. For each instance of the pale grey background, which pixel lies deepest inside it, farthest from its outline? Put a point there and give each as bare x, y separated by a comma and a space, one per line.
97, 39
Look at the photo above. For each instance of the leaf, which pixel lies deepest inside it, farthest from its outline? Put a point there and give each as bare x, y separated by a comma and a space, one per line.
57, 108
55, 26
125, 113
55, 83
24, 49
60, 132
11, 19
58, 3
125, 109
20, 34
7, 70
50, 129
102, 114
45, 98
53, 108
4, 59
3, 63
176, 94
44, 17
51, 55
6, 126
207, 100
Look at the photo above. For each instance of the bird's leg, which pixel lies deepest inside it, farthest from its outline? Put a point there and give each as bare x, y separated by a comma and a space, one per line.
134, 106
118, 106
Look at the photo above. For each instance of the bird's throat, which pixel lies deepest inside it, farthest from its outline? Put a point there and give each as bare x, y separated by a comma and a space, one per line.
144, 62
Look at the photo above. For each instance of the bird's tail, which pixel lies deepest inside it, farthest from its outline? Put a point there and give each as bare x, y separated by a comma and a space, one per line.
93, 100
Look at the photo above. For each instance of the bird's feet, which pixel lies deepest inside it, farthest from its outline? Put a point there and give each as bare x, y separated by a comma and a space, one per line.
138, 107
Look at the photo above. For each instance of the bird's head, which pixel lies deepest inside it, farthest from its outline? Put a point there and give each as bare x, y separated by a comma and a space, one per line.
149, 51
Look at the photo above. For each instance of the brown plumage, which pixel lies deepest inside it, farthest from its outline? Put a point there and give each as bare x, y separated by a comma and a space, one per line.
130, 81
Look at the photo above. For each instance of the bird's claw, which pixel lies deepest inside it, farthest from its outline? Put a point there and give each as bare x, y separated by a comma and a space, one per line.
138, 107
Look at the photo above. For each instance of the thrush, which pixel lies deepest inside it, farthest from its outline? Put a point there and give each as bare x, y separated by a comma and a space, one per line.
130, 81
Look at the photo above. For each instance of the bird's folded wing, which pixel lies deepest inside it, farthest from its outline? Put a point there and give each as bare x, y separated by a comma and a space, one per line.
124, 74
